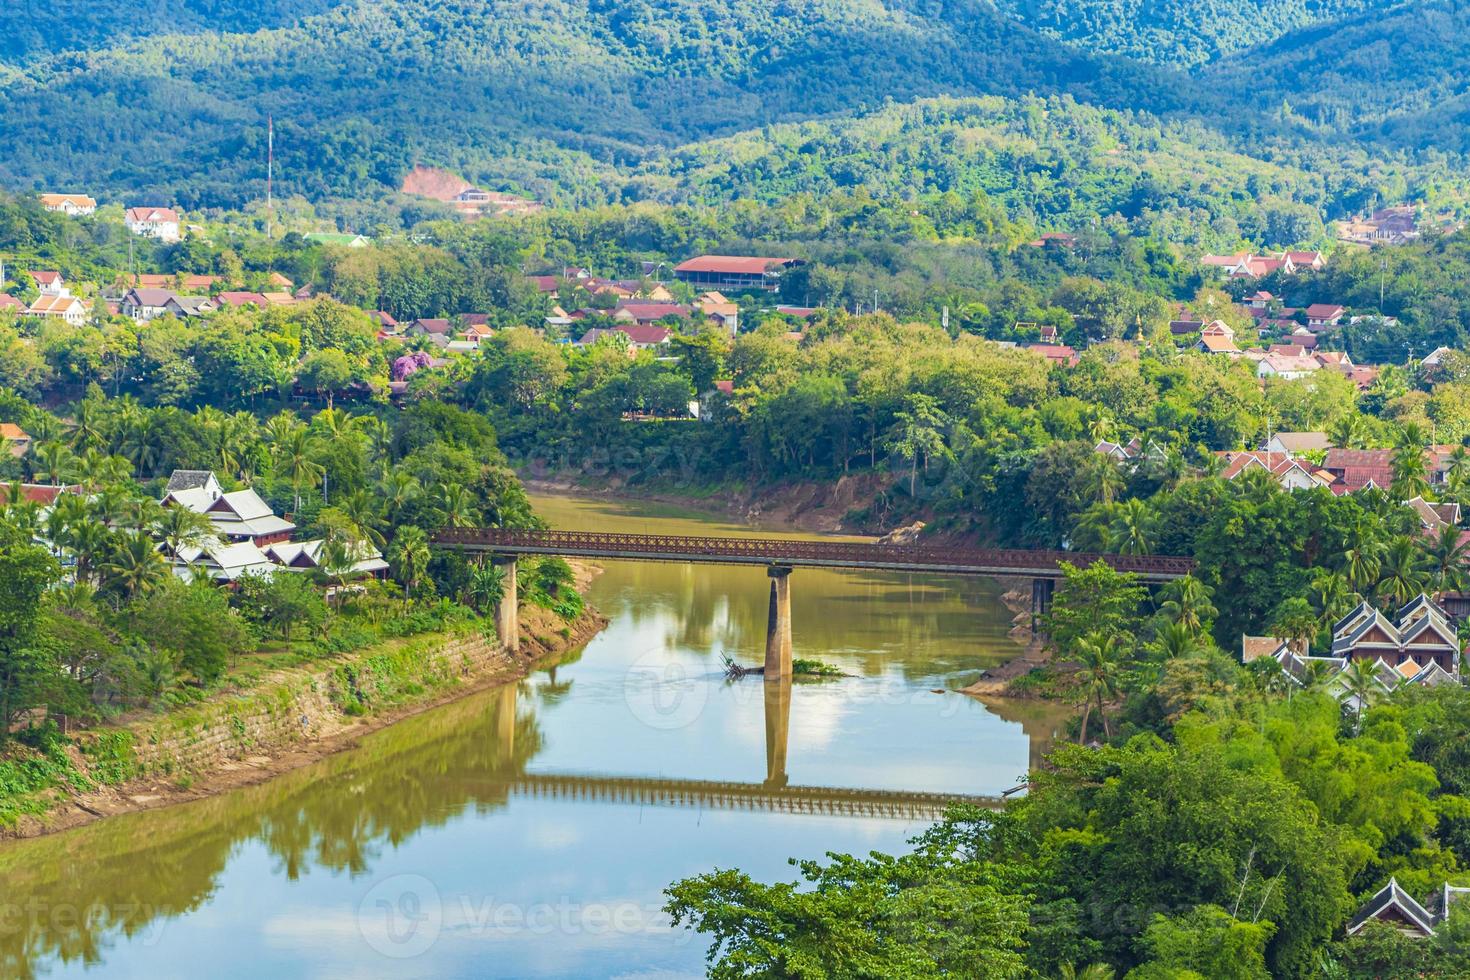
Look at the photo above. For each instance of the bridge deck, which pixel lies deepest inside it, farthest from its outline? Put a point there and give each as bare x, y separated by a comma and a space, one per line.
817, 554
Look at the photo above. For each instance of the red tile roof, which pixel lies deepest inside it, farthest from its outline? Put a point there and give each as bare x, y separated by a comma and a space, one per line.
739, 264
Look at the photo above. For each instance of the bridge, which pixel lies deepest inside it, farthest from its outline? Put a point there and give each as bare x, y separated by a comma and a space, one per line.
722, 795
779, 556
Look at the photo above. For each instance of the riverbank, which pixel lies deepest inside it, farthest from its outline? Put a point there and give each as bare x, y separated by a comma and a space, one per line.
1000, 681
816, 507
290, 719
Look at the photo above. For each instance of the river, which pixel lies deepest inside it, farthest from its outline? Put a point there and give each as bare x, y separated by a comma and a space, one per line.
530, 831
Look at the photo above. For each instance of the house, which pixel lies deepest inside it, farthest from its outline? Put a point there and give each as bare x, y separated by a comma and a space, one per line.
1396, 907
1435, 358
70, 204
733, 272
640, 337
66, 307
237, 516
1293, 443
1358, 469
1433, 516
15, 439
1333, 359
50, 283
719, 309
1120, 451
241, 298
1217, 338
143, 304
634, 311
1287, 367
1307, 261
1289, 473
1324, 316
384, 321
279, 298
1422, 633
300, 556
188, 281
1054, 239
1058, 355
43, 494
1244, 265
159, 223
9, 304
436, 329
220, 562
799, 312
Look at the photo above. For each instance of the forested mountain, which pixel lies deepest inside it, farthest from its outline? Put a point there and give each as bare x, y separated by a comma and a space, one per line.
30, 31
535, 96
1178, 33
1398, 75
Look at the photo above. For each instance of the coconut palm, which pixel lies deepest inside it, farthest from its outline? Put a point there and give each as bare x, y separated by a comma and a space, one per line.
295, 462
135, 565
1133, 529
1332, 595
1100, 428
1360, 684
455, 506
1104, 479
179, 528
410, 557
1098, 655
1349, 431
1445, 556
55, 463
1187, 603
1361, 559
1401, 576
1457, 469
364, 509
397, 491
1175, 640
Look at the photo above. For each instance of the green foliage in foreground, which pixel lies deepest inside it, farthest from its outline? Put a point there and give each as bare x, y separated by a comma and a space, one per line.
1239, 848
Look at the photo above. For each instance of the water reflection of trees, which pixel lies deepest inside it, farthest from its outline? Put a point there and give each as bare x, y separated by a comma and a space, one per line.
115, 878
920, 626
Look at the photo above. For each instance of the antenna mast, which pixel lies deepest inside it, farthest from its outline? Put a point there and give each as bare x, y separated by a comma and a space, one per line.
270, 169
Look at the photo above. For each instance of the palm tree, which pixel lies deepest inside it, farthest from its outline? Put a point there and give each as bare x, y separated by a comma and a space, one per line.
1187, 603
1175, 640
343, 544
86, 431
180, 527
1457, 469
1093, 530
1098, 655
1360, 684
455, 505
1409, 473
1332, 595
1446, 556
397, 490
1133, 528
410, 558
380, 442
135, 566
294, 462
1401, 576
1360, 563
485, 588
363, 509
56, 463
1105, 480
1100, 428
1348, 431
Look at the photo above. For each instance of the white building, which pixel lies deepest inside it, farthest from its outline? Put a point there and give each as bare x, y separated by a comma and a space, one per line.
159, 223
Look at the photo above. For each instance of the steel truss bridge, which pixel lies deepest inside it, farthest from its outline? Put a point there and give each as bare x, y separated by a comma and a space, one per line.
780, 552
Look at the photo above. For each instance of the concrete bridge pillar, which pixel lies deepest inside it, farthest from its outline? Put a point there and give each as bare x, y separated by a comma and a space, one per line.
507, 621
1041, 593
778, 625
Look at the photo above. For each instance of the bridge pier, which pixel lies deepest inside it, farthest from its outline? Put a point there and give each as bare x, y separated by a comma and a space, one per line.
1042, 590
507, 619
778, 624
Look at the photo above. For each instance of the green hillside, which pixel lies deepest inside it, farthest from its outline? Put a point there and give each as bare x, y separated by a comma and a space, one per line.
1177, 33
1059, 164
543, 98
1398, 76
31, 31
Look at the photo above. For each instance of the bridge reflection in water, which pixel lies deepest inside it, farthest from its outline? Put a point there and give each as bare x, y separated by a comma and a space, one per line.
773, 795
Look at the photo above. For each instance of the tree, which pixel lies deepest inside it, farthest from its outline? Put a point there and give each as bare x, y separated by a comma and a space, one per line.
179, 527
1401, 575
1295, 621
1446, 556
936, 912
1187, 602
28, 670
485, 588
134, 565
1133, 528
1096, 599
918, 434
279, 602
410, 557
1208, 941
1098, 655
1363, 689
191, 624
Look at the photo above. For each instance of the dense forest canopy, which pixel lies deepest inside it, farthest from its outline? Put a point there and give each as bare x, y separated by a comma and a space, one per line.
1177, 33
